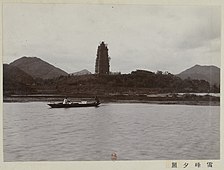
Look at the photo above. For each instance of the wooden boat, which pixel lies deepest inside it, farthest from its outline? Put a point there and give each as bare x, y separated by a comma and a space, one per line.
75, 104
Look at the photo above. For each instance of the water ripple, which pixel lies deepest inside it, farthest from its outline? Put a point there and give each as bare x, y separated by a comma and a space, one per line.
32, 132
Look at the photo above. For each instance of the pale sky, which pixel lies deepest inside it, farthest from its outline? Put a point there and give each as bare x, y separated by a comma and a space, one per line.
167, 38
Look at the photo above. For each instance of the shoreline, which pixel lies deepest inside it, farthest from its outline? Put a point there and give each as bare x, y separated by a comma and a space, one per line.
164, 100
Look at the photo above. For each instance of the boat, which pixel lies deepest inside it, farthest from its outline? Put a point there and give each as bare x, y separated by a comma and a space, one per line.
74, 104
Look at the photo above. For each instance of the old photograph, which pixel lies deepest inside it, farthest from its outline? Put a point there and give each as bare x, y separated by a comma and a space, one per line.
111, 82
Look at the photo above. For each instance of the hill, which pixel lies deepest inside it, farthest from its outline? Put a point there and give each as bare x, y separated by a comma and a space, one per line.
16, 80
38, 68
208, 73
82, 72
137, 82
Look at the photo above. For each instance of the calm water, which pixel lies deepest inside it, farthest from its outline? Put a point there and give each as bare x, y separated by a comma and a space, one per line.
34, 132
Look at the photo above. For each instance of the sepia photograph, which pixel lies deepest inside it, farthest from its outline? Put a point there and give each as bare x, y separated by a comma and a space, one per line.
111, 82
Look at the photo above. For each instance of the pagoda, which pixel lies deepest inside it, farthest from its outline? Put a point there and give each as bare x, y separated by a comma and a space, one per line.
102, 65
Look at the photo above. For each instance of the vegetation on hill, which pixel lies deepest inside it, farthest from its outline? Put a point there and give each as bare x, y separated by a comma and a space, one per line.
31, 75
137, 82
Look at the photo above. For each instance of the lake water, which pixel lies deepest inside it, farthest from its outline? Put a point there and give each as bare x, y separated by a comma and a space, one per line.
34, 132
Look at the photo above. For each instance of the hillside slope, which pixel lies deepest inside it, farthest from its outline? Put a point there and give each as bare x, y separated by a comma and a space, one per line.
82, 72
38, 68
208, 73
15, 79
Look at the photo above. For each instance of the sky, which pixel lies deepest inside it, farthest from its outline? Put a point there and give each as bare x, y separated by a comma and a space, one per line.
166, 38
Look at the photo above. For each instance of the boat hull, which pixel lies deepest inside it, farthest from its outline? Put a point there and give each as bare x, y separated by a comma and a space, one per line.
61, 105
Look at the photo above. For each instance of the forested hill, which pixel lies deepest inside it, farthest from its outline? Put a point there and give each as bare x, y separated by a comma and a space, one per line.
33, 75
137, 82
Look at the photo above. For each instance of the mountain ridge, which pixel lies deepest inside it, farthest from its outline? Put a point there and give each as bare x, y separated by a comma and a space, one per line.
209, 73
81, 72
38, 68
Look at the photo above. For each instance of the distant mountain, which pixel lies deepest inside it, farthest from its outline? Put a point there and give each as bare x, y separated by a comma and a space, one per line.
38, 68
82, 72
15, 79
208, 73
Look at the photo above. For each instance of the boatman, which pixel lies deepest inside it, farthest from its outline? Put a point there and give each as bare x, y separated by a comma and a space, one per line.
65, 101
97, 100
114, 156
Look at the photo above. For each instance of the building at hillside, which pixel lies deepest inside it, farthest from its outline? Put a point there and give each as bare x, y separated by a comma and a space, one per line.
102, 65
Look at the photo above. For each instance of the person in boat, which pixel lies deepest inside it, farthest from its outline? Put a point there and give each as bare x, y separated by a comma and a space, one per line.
97, 99
66, 101
114, 156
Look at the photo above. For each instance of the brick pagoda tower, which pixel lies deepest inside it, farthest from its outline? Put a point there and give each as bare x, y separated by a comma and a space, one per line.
102, 65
